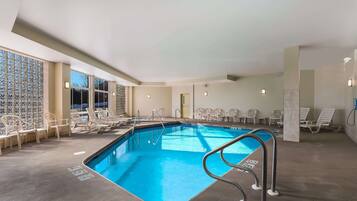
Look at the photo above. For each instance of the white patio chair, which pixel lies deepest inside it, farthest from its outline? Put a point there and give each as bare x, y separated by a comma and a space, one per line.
276, 116
251, 115
324, 120
218, 114
208, 114
15, 127
51, 122
233, 114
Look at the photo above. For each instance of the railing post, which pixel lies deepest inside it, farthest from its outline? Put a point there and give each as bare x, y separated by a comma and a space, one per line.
264, 165
272, 191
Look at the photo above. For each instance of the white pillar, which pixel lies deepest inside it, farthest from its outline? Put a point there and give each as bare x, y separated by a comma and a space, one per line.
291, 94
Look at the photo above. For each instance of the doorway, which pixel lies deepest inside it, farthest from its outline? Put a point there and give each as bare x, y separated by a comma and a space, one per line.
185, 105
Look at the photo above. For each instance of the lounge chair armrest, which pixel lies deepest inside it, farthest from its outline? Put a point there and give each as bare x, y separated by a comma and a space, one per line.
61, 121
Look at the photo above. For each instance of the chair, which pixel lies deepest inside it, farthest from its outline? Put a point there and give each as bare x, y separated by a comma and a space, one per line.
218, 114
276, 116
51, 121
233, 114
324, 120
77, 120
251, 115
110, 120
16, 127
208, 114
304, 112
97, 123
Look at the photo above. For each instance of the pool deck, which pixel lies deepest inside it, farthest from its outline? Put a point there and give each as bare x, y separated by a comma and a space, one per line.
321, 168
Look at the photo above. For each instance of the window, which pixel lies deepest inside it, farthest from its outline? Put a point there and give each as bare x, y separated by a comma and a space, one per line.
79, 91
101, 93
21, 87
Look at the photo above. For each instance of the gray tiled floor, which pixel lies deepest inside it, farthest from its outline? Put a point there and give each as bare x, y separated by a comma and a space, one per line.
322, 167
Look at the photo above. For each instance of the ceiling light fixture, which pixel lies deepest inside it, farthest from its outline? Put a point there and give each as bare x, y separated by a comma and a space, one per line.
263, 91
205, 93
148, 96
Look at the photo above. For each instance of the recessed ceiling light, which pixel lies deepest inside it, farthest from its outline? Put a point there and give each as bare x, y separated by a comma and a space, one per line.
347, 59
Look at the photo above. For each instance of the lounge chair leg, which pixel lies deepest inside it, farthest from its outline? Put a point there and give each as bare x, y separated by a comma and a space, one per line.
37, 137
1, 147
57, 133
69, 131
18, 141
10, 142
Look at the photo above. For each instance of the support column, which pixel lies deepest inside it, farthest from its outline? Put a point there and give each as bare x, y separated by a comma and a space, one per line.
91, 93
49, 101
62, 94
112, 85
129, 101
291, 94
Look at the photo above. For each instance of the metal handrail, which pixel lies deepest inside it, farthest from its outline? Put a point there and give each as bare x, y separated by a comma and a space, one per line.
272, 191
264, 165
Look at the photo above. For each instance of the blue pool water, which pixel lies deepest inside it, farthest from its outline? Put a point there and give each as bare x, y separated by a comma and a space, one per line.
167, 166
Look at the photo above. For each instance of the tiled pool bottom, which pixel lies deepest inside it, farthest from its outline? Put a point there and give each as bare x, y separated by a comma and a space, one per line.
156, 164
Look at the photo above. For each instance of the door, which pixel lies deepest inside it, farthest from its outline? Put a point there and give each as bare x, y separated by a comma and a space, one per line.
185, 105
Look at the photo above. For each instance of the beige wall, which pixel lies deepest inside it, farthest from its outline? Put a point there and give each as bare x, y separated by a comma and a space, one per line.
307, 90
62, 96
242, 94
160, 97
329, 91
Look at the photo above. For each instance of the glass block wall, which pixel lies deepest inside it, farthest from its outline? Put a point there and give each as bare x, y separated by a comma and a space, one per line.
21, 87
120, 99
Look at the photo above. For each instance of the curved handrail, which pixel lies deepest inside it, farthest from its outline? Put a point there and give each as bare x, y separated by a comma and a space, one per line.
264, 165
272, 191
256, 180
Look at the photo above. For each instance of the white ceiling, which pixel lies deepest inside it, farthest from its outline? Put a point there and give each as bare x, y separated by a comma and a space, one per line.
170, 40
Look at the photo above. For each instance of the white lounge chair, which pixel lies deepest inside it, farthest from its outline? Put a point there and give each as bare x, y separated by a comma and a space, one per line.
97, 123
77, 121
15, 127
304, 112
251, 115
113, 121
324, 120
51, 121
276, 116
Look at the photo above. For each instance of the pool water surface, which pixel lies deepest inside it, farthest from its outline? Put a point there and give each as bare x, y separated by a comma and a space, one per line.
159, 164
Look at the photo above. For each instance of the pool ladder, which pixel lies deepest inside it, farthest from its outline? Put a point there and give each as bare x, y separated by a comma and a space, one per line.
256, 186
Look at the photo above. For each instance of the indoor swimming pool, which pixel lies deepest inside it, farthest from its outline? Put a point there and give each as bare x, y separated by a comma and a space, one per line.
157, 164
